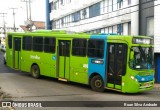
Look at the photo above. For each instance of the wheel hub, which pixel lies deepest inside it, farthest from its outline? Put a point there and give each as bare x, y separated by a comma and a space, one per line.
98, 83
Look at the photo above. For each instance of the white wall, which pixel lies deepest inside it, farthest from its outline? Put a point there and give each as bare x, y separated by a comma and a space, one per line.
157, 27
135, 17
125, 29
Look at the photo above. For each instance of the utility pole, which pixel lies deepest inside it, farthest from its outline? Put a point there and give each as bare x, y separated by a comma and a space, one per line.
30, 9
29, 20
26, 6
4, 24
14, 25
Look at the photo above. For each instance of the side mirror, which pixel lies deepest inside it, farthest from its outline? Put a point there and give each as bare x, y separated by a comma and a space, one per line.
131, 55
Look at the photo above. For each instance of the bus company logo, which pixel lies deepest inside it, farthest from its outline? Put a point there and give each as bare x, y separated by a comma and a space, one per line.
34, 57
6, 104
53, 57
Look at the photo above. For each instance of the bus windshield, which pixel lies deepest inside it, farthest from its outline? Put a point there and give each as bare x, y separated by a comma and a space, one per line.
142, 58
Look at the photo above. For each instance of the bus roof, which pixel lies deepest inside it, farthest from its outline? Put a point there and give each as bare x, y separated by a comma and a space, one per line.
69, 34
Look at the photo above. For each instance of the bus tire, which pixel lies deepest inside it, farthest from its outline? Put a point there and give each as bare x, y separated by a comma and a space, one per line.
35, 71
97, 83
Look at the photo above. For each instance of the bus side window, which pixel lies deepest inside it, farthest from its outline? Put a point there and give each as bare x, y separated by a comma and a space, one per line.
27, 43
79, 47
38, 44
95, 48
10, 41
49, 45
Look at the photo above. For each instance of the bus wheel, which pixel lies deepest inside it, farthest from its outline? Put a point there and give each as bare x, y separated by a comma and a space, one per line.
97, 83
35, 71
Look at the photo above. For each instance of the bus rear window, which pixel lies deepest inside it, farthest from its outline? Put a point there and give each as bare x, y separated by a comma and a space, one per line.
95, 48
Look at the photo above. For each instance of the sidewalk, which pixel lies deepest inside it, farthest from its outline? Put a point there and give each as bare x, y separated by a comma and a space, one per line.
157, 85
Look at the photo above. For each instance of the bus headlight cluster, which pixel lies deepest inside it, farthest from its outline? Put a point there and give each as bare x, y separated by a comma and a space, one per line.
132, 77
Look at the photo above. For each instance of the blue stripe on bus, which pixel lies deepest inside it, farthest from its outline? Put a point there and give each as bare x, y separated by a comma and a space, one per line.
95, 67
145, 78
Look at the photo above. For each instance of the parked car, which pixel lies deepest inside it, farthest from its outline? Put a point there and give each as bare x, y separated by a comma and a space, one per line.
3, 48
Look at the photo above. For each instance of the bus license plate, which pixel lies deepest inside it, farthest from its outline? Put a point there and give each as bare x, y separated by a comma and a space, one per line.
146, 85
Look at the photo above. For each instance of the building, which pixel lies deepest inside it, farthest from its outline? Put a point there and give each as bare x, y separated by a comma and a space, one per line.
94, 16
124, 17
157, 38
36, 25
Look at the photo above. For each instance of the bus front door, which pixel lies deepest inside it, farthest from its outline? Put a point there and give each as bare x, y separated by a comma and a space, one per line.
16, 52
116, 65
63, 59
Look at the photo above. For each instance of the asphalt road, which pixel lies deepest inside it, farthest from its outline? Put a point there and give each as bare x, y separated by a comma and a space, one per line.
20, 86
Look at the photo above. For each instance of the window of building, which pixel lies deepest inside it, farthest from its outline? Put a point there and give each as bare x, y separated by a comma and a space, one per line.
150, 26
110, 5
114, 5
129, 2
10, 41
106, 30
27, 43
76, 16
98, 30
114, 29
79, 47
84, 13
61, 2
119, 3
54, 6
95, 48
49, 44
120, 29
102, 30
129, 28
57, 24
38, 44
62, 22
68, 1
51, 6
68, 19
110, 29
105, 6
94, 10
53, 24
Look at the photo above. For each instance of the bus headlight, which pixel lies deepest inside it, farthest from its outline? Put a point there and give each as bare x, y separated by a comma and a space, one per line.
132, 77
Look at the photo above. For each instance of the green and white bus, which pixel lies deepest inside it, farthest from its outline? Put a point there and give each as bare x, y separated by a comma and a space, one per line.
103, 61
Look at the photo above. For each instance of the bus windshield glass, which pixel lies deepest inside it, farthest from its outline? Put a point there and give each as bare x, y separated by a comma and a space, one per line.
142, 58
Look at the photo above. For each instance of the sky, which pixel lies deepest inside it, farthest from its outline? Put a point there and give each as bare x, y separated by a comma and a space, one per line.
37, 11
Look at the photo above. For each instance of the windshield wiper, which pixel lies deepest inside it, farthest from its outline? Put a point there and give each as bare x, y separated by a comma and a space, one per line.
142, 53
